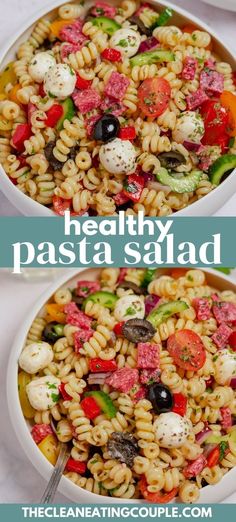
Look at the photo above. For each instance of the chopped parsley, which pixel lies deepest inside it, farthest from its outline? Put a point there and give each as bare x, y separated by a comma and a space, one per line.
123, 43
223, 447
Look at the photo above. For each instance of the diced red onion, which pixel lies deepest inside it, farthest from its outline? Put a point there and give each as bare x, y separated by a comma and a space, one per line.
191, 146
155, 185
203, 435
233, 383
97, 378
148, 176
151, 302
148, 44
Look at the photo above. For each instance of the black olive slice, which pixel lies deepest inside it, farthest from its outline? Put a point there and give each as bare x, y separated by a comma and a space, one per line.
123, 447
171, 160
142, 28
128, 285
53, 162
138, 330
106, 128
161, 398
50, 334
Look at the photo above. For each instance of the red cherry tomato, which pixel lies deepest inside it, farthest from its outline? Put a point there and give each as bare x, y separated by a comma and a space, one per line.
118, 328
157, 498
187, 350
153, 96
82, 84
53, 115
232, 341
216, 120
60, 205
21, 133
112, 55
127, 133
76, 465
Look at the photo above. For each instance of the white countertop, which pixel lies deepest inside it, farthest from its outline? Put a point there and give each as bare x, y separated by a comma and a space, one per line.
19, 481
14, 12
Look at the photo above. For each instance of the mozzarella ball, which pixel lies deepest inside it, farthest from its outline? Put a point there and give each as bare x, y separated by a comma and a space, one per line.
189, 127
59, 81
127, 41
40, 65
129, 307
43, 393
171, 430
118, 156
35, 357
225, 367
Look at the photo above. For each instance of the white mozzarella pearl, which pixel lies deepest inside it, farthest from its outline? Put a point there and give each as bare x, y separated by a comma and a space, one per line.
129, 307
171, 430
60, 81
225, 367
118, 156
40, 65
43, 393
35, 357
189, 127
127, 41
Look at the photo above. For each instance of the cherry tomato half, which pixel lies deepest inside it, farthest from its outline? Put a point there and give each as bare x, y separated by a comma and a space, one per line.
153, 96
187, 350
157, 498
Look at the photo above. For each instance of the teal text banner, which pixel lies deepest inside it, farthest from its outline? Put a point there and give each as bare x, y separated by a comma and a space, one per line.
116, 241
126, 512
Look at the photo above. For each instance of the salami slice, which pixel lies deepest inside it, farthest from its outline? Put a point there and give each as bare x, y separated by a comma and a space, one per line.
81, 337
196, 99
123, 379
149, 376
224, 312
112, 106
203, 308
221, 336
86, 100
116, 86
67, 48
72, 33
85, 288
103, 9
211, 81
226, 417
40, 431
148, 356
77, 318
189, 68
194, 468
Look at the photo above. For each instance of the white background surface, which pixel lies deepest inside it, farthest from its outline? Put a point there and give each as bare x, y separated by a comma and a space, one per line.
19, 482
13, 12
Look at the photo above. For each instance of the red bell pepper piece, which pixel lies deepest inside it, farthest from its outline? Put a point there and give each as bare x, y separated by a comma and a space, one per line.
156, 498
180, 404
214, 457
216, 120
118, 328
21, 133
134, 187
127, 133
90, 407
76, 465
98, 365
120, 198
82, 84
232, 341
113, 55
64, 393
53, 115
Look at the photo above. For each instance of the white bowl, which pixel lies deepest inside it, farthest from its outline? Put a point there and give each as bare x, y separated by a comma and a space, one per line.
209, 494
222, 4
206, 206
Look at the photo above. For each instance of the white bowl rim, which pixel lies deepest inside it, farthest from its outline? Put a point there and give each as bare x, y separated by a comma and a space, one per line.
66, 487
41, 210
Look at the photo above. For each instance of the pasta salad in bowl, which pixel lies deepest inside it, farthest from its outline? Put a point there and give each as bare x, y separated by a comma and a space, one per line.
135, 369
118, 106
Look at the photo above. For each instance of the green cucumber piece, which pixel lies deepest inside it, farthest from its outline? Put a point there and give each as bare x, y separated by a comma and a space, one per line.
104, 402
106, 299
163, 18
107, 25
148, 277
68, 113
149, 57
163, 312
221, 166
187, 183
59, 329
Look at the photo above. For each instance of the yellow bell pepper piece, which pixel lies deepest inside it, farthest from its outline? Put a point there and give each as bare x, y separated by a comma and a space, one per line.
58, 25
24, 379
49, 448
7, 76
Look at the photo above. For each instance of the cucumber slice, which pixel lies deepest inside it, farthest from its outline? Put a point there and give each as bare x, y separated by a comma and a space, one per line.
163, 312
163, 18
106, 299
149, 57
187, 183
221, 166
107, 25
104, 402
68, 113
148, 277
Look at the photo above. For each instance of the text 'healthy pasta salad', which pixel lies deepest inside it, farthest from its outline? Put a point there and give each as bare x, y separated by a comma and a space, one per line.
137, 373
113, 108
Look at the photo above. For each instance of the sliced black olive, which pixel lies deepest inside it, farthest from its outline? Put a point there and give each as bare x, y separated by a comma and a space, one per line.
128, 285
161, 398
138, 330
53, 162
123, 447
107, 128
77, 299
52, 332
171, 160
142, 28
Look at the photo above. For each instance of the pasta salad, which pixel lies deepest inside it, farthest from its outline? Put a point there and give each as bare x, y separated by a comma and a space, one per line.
113, 108
136, 372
